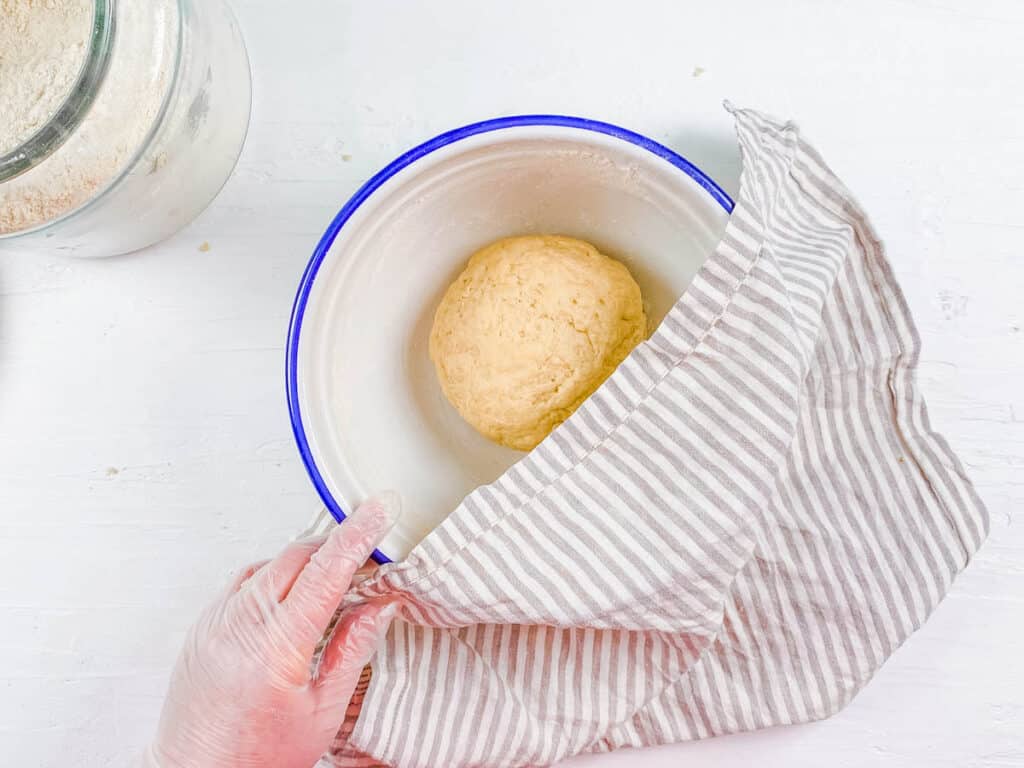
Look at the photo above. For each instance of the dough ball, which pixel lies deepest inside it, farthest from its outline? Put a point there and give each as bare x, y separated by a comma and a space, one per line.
529, 330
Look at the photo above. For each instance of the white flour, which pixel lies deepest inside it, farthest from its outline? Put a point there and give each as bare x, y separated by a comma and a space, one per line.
46, 38
42, 46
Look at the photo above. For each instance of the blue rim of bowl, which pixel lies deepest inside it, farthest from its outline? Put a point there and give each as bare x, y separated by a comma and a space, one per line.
378, 180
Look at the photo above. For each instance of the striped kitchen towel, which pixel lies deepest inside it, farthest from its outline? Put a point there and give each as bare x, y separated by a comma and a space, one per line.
735, 532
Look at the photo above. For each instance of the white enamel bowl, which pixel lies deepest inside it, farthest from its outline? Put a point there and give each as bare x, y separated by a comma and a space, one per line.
366, 408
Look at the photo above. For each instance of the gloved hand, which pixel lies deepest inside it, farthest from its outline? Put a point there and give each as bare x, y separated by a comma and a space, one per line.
243, 694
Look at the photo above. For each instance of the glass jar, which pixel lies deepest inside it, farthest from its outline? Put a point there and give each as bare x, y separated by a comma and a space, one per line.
145, 139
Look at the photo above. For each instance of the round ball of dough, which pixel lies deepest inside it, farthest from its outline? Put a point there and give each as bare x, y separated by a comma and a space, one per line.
529, 330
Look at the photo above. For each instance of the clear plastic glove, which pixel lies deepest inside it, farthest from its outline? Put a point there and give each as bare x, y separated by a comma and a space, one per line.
244, 693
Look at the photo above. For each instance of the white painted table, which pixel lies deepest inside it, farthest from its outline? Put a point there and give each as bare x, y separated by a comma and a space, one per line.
145, 449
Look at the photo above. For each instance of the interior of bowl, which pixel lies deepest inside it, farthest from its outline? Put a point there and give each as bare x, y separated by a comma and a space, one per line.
366, 406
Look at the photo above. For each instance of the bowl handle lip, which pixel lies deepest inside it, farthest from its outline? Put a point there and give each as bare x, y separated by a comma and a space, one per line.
379, 179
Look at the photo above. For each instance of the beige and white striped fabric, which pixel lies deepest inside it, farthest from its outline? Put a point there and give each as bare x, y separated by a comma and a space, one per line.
734, 532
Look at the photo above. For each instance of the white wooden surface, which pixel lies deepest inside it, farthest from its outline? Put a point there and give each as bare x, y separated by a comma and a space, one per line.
145, 449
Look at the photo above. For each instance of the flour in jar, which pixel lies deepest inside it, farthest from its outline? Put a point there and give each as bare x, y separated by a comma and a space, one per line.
43, 45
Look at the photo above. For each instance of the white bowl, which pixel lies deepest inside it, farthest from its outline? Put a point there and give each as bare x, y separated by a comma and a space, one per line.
366, 408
